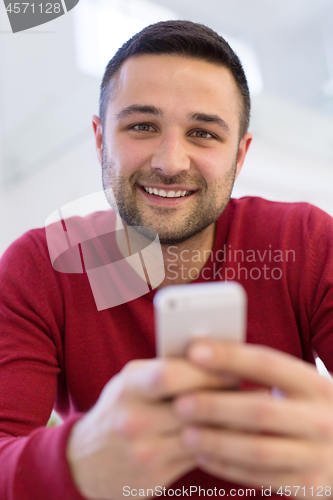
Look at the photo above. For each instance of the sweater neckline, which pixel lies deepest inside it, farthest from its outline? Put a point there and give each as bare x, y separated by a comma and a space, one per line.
220, 239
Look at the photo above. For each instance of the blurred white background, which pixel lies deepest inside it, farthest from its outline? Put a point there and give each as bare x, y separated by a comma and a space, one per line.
49, 87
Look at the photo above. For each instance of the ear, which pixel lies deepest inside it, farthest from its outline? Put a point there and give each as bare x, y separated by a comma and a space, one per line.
242, 150
98, 131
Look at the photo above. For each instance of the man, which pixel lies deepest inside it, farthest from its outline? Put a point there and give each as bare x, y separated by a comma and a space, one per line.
172, 137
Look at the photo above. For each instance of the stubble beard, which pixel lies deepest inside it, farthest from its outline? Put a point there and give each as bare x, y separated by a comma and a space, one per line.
171, 230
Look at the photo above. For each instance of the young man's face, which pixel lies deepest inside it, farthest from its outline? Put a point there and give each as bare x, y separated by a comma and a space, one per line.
172, 127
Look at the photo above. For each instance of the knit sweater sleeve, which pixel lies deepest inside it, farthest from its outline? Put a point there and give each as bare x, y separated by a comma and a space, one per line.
33, 463
317, 284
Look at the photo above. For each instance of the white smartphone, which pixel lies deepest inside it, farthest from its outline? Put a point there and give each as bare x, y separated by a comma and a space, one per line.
182, 312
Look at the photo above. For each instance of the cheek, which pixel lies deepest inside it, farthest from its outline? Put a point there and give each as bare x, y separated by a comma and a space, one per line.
215, 164
131, 155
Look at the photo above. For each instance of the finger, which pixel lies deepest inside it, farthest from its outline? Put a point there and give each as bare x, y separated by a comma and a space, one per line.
258, 451
255, 411
164, 378
262, 365
304, 486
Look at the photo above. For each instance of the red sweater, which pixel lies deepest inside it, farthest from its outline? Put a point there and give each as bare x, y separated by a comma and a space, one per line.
57, 349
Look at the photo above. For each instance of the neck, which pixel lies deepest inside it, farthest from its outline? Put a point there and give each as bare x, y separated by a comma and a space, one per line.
182, 262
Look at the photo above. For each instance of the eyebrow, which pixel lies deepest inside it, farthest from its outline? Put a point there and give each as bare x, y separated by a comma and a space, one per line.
203, 117
137, 109
153, 110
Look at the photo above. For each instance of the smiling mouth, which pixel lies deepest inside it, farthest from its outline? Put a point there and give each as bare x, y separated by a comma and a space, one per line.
166, 194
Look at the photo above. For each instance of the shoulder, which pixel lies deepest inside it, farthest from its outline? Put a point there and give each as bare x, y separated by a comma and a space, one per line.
37, 246
28, 248
263, 214
262, 207
254, 221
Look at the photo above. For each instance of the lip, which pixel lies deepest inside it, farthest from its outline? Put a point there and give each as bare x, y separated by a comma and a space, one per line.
167, 202
168, 188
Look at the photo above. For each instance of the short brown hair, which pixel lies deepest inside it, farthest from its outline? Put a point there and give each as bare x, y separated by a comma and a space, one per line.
183, 38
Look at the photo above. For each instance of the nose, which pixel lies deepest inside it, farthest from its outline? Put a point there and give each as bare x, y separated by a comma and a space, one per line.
171, 156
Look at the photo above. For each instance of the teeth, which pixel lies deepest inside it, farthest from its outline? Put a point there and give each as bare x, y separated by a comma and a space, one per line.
164, 194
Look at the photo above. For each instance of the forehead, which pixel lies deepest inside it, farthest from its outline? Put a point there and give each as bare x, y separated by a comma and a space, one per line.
176, 83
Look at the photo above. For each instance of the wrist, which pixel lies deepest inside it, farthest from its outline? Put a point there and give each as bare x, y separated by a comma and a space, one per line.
78, 454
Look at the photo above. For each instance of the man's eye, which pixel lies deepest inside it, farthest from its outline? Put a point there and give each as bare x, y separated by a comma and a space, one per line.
143, 127
202, 134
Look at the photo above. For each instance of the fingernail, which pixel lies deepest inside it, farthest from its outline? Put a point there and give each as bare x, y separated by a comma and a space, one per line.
191, 437
147, 375
185, 406
201, 353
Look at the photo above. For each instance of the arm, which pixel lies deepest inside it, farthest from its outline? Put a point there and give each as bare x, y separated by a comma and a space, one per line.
29, 367
131, 437
130, 434
262, 440
253, 438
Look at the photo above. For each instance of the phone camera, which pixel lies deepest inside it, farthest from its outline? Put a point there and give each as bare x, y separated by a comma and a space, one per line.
172, 304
